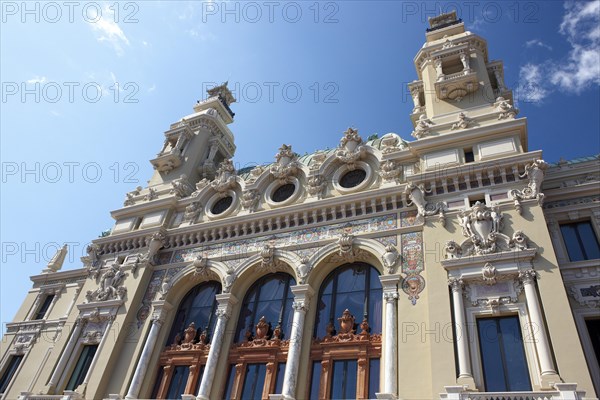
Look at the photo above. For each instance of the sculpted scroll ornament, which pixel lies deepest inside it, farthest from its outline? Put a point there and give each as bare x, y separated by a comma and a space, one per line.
350, 148
416, 195
225, 179
535, 172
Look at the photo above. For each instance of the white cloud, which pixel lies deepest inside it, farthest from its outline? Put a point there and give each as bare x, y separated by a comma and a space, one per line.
532, 88
202, 36
152, 88
55, 113
37, 79
538, 43
580, 69
107, 30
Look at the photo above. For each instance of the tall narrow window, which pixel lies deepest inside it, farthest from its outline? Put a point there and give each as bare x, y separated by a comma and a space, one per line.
188, 342
82, 366
41, 312
593, 327
347, 337
9, 372
261, 339
581, 241
502, 355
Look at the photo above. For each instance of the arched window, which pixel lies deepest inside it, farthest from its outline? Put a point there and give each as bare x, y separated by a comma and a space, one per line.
257, 358
183, 359
347, 336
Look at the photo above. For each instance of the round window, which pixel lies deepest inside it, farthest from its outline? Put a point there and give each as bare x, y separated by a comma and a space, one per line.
283, 192
353, 178
221, 205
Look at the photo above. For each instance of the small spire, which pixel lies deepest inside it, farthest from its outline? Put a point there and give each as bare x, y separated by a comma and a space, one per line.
57, 261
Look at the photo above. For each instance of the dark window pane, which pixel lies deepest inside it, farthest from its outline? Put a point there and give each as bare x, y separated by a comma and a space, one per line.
373, 377
230, 380
179, 379
588, 240
502, 354
9, 372
254, 381
221, 205
581, 241
355, 287
279, 377
269, 297
353, 178
315, 380
283, 192
469, 156
343, 379
593, 327
82, 367
41, 313
198, 306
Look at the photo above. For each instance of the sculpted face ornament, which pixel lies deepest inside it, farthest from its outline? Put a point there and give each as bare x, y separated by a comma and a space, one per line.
520, 241
250, 200
228, 280
489, 274
200, 265
452, 250
303, 270
192, 211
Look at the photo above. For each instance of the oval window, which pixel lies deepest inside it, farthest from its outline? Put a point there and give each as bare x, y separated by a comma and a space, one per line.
353, 178
221, 205
283, 192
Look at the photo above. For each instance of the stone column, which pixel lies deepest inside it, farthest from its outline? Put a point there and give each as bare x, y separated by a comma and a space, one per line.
64, 357
538, 328
158, 318
302, 295
226, 301
390, 338
462, 334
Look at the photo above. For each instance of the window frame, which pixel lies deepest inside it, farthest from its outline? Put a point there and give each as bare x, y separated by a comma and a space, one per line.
361, 347
11, 356
507, 310
565, 247
194, 356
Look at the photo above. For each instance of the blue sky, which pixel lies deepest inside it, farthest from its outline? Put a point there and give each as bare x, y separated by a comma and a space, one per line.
88, 91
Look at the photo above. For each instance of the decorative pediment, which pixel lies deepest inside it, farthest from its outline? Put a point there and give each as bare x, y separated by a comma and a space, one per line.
286, 164
350, 148
226, 177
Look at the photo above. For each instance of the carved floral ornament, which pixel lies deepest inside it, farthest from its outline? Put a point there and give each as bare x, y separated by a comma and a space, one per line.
225, 178
535, 172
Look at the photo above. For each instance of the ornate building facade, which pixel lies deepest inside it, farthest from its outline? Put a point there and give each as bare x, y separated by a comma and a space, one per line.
459, 265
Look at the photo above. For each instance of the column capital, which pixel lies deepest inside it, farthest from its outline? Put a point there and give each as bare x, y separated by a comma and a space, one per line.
390, 282
528, 276
160, 309
302, 295
456, 284
225, 303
